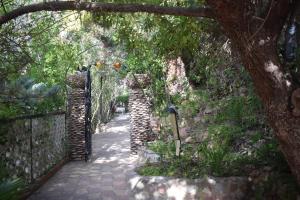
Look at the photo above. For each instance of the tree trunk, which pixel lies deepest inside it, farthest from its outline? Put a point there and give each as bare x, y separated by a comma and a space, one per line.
257, 44
276, 99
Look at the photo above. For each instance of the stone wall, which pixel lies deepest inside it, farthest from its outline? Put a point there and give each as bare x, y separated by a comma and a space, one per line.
157, 187
30, 146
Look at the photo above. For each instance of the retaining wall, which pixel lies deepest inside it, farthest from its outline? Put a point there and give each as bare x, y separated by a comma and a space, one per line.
30, 146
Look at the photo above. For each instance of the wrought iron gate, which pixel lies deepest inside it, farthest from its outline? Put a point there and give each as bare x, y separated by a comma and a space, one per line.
88, 115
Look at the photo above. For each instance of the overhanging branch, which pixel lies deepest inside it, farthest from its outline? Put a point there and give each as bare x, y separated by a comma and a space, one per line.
3, 6
105, 7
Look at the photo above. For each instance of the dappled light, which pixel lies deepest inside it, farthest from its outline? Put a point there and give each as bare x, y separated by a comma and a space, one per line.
274, 69
180, 191
111, 174
149, 100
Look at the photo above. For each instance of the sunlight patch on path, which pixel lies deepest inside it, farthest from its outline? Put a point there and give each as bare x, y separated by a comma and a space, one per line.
108, 176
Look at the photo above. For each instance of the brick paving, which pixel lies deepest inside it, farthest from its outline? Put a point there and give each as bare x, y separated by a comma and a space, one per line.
108, 176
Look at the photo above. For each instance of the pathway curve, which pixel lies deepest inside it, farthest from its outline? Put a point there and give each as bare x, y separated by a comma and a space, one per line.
109, 175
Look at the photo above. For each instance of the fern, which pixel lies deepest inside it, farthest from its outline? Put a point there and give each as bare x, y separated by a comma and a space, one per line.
10, 189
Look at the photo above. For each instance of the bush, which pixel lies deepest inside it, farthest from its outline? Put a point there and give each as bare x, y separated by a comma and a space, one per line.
242, 111
124, 99
10, 189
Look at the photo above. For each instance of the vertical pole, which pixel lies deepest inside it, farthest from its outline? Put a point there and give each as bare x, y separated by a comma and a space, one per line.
86, 95
88, 145
31, 151
66, 136
101, 106
174, 125
90, 112
175, 129
177, 141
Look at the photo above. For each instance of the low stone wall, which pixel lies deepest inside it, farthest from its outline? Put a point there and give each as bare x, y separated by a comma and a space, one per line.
156, 188
30, 146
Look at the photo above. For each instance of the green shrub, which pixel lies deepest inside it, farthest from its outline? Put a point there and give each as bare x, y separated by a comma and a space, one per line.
213, 159
24, 96
165, 150
10, 189
242, 111
122, 99
236, 143
151, 170
215, 156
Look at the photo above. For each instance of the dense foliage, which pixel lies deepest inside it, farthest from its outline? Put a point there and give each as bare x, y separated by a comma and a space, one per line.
231, 138
37, 54
235, 139
48, 59
9, 190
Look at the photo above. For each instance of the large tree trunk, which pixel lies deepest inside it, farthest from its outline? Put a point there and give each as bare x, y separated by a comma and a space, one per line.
263, 65
256, 41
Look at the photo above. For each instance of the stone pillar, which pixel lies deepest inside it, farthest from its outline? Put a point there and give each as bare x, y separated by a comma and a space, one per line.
76, 115
139, 108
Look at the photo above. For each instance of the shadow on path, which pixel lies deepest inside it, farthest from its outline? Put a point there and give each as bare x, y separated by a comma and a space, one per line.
109, 174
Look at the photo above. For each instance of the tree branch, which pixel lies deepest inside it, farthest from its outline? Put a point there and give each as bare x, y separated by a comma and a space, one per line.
3, 6
105, 7
278, 16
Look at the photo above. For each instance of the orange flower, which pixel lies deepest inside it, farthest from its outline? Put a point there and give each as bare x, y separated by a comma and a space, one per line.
117, 65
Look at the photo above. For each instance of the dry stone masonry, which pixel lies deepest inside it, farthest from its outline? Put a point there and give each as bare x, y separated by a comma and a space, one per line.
76, 115
139, 108
30, 146
157, 187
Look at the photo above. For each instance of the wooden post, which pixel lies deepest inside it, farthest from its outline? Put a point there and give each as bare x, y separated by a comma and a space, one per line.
175, 130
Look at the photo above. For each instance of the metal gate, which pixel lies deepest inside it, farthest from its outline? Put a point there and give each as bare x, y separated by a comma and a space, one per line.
88, 115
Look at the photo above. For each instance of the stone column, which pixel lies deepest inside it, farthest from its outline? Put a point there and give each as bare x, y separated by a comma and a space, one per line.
139, 108
76, 115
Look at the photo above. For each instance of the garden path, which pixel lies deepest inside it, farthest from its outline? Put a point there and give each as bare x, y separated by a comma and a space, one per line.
109, 175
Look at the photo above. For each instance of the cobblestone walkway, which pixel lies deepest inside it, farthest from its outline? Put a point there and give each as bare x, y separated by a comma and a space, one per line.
109, 174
